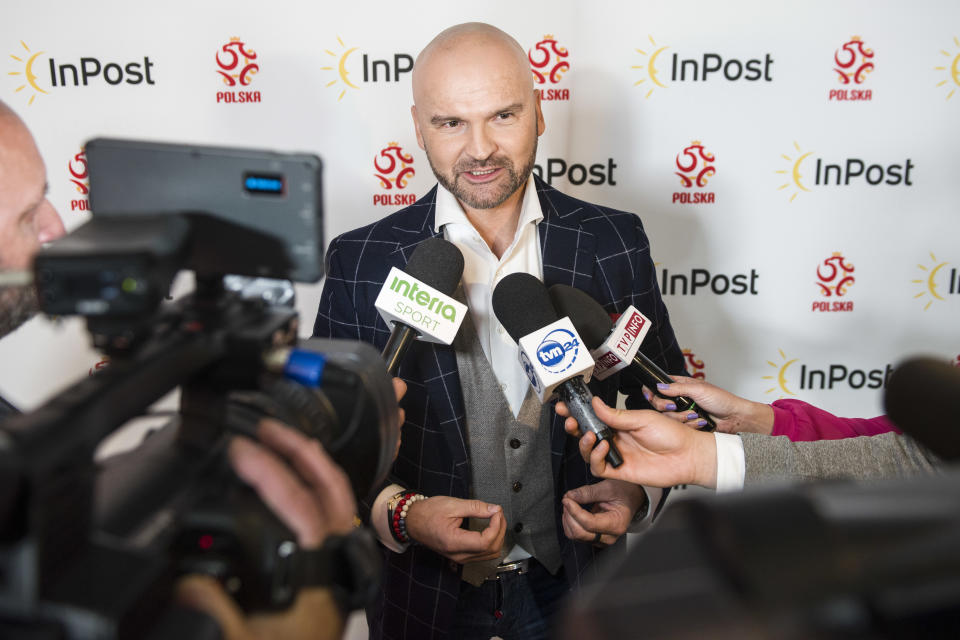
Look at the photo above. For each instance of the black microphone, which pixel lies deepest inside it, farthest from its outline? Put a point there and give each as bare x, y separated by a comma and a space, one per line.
522, 305
595, 326
435, 263
923, 399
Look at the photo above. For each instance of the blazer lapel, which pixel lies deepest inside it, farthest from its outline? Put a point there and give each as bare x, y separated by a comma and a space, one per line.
438, 363
568, 251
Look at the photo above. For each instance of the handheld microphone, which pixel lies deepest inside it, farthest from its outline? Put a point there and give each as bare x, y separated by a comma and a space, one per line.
418, 300
550, 351
617, 347
936, 424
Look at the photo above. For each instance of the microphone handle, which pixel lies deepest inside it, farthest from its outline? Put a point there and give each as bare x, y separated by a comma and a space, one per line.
400, 340
577, 397
651, 375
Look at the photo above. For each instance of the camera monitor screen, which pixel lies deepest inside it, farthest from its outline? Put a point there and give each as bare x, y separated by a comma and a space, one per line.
261, 210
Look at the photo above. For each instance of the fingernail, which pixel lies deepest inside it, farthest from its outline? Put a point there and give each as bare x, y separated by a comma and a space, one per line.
671, 406
661, 385
692, 415
646, 394
493, 508
701, 423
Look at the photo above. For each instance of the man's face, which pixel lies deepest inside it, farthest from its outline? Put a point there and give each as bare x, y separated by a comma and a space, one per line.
478, 119
27, 219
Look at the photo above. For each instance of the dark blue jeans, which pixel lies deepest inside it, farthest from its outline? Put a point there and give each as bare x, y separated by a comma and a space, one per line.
527, 606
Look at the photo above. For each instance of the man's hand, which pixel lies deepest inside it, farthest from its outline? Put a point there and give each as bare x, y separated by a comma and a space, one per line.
657, 451
614, 503
312, 496
435, 523
732, 413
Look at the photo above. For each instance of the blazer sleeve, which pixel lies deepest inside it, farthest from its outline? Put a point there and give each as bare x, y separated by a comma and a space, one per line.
886, 455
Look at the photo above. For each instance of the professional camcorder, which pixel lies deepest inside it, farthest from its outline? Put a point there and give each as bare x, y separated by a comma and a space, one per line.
91, 549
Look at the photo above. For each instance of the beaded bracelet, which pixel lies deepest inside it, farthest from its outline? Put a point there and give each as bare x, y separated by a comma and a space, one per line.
399, 505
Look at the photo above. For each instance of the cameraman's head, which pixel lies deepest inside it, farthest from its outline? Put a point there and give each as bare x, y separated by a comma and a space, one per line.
27, 219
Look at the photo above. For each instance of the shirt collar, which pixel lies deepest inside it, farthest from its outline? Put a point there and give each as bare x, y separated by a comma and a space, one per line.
449, 211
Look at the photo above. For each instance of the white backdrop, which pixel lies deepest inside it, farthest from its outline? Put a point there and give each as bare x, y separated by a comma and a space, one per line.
752, 237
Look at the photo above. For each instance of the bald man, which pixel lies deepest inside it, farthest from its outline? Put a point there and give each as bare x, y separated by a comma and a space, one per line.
27, 220
506, 529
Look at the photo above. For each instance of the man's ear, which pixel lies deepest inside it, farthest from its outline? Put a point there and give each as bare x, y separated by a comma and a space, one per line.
541, 123
416, 127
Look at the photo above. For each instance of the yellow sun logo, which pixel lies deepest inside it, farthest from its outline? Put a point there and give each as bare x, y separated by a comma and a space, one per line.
27, 60
794, 171
930, 280
953, 71
651, 67
781, 376
341, 68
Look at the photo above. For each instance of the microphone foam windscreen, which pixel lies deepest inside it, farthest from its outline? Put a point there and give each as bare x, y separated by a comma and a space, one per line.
588, 316
438, 263
923, 399
522, 305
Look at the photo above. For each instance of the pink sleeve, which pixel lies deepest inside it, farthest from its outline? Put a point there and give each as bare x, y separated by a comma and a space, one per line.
800, 421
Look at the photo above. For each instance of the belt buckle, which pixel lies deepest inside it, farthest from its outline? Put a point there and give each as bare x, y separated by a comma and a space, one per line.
519, 567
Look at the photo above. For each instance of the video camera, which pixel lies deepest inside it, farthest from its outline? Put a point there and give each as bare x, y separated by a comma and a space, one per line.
91, 549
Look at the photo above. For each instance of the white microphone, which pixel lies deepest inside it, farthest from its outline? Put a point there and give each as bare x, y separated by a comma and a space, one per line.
418, 301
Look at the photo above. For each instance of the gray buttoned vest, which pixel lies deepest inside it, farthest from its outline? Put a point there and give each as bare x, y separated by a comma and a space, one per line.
519, 478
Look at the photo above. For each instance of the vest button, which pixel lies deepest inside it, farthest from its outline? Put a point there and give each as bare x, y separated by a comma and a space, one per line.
514, 444
517, 486
517, 528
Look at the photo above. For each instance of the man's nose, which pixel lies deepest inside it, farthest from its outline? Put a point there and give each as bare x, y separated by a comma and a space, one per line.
482, 145
47, 224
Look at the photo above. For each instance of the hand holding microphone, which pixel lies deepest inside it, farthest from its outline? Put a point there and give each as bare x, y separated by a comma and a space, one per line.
618, 347
551, 352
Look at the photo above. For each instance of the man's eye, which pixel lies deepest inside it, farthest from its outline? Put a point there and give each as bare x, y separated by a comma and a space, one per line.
451, 124
506, 115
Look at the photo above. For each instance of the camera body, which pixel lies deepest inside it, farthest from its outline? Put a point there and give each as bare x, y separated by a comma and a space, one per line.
91, 549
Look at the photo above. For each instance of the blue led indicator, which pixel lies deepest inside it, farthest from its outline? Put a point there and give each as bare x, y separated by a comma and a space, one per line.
261, 184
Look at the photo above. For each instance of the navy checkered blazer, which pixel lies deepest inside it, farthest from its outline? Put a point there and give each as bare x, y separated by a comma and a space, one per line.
599, 250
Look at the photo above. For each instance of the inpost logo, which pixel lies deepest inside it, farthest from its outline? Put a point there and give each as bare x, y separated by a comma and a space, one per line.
853, 61
952, 68
702, 281
694, 166
85, 71
828, 377
834, 278
79, 178
576, 173
393, 167
373, 70
237, 65
694, 365
840, 173
931, 280
548, 62
704, 67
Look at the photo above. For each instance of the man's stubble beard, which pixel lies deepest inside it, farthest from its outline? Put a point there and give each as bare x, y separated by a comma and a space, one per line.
17, 305
475, 200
